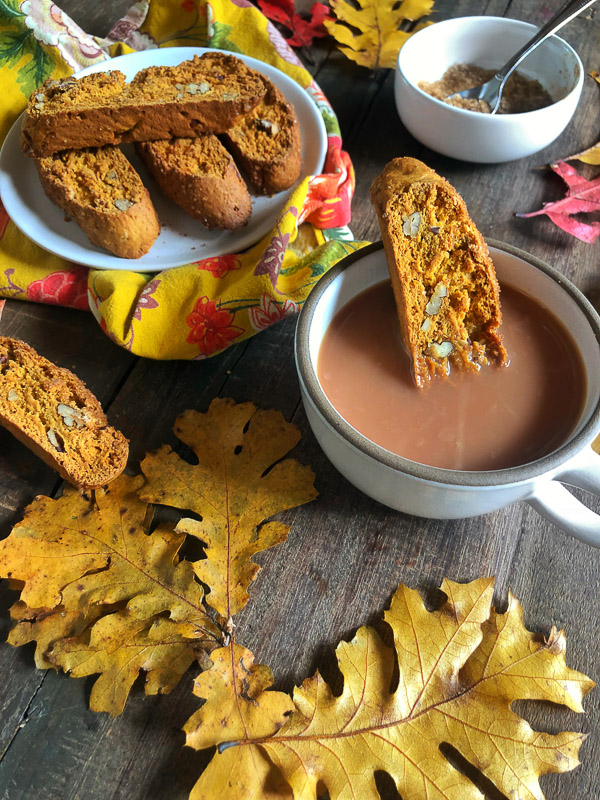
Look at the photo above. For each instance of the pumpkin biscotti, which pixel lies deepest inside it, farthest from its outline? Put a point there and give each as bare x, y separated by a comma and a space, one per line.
201, 177
266, 143
105, 196
204, 95
53, 413
444, 283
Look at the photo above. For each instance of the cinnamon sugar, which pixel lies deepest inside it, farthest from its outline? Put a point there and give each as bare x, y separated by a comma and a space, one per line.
520, 93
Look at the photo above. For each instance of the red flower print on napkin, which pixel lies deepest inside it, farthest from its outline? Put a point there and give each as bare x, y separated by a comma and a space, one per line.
211, 327
269, 312
68, 288
327, 204
219, 265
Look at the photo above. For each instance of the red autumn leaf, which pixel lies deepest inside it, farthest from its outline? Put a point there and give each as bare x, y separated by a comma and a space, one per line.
582, 196
303, 30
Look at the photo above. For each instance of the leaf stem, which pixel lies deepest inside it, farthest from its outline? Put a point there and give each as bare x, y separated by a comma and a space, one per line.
226, 745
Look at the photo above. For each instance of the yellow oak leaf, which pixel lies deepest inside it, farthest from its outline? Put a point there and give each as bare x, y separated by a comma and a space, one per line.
237, 706
102, 595
589, 156
238, 482
119, 646
449, 679
378, 22
45, 626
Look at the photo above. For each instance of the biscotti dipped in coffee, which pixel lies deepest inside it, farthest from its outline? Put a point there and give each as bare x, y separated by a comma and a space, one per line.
445, 286
201, 177
103, 193
266, 143
204, 95
53, 413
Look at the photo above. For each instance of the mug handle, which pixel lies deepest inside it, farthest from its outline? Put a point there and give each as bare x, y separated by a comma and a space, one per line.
556, 504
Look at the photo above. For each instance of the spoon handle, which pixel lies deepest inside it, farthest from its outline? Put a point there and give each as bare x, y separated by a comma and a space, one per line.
565, 14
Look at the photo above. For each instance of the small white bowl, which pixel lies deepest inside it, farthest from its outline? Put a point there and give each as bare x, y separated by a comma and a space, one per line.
487, 42
451, 494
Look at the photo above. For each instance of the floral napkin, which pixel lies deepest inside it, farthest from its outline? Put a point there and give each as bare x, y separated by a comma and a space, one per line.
198, 309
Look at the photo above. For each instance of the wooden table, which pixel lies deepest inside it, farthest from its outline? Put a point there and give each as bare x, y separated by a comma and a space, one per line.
345, 554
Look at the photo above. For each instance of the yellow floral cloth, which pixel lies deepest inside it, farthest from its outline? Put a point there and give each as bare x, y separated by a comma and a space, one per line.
195, 310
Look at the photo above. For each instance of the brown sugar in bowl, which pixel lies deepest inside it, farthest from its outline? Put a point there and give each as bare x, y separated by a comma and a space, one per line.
487, 42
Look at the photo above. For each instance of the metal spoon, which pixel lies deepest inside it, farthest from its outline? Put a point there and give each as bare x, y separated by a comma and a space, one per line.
491, 92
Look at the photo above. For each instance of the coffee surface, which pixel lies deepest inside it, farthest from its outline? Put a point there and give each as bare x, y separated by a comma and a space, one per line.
500, 417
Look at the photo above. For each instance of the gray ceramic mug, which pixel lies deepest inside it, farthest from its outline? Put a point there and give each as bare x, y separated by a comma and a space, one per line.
450, 494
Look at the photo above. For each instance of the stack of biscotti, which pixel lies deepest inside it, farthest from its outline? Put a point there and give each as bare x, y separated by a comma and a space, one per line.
173, 114
444, 282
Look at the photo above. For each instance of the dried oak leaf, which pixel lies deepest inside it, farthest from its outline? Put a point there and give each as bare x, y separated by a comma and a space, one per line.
303, 31
238, 482
458, 671
590, 155
237, 706
378, 22
582, 196
99, 594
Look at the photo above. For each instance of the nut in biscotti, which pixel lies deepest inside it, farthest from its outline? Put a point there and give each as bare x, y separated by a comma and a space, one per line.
204, 95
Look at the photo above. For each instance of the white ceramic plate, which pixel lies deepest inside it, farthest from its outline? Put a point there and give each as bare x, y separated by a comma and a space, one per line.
182, 238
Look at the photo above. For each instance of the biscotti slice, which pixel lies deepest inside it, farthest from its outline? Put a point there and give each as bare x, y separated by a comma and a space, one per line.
52, 412
445, 286
201, 177
204, 95
266, 143
105, 196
